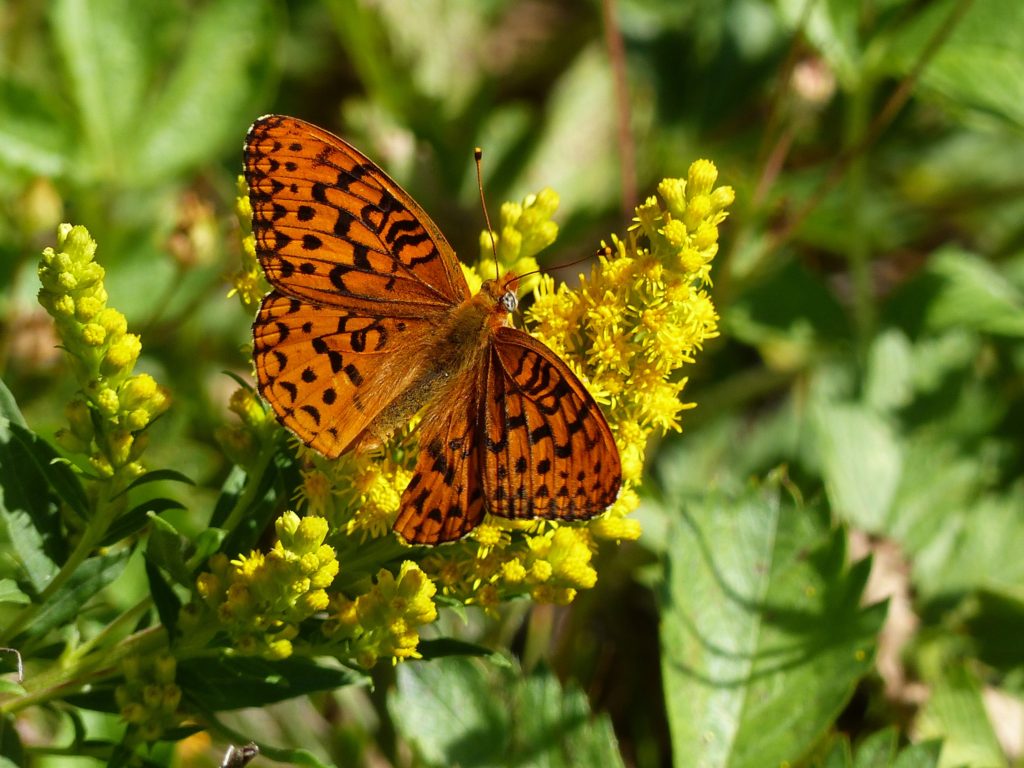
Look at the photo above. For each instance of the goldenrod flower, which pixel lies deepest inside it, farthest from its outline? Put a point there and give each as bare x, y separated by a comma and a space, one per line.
103, 355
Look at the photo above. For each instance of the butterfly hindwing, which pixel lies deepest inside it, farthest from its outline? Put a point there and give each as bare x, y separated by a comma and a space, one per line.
328, 372
332, 228
547, 450
445, 497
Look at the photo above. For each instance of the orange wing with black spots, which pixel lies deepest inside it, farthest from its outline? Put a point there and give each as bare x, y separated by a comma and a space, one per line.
332, 228
445, 497
327, 371
548, 451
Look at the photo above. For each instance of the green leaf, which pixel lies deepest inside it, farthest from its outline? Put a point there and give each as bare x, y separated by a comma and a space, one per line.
216, 684
9, 407
448, 710
34, 137
52, 467
29, 511
92, 576
158, 475
978, 67
167, 604
762, 634
878, 750
196, 114
165, 549
9, 593
449, 646
136, 518
104, 46
956, 715
861, 462
973, 294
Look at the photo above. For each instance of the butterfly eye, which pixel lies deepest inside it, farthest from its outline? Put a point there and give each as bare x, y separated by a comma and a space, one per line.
509, 301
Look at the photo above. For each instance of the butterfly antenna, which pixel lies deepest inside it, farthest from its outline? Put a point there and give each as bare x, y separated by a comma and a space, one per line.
602, 251
478, 155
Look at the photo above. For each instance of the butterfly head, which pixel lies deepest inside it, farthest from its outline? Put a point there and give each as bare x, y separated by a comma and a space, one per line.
502, 294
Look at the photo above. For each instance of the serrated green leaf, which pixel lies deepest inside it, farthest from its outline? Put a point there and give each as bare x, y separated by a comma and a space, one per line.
978, 67
92, 576
974, 294
762, 634
447, 709
223, 683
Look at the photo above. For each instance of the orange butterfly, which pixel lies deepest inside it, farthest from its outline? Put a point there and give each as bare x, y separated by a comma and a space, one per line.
371, 320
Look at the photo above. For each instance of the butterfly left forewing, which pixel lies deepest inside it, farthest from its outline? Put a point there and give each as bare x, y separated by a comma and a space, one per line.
547, 450
332, 228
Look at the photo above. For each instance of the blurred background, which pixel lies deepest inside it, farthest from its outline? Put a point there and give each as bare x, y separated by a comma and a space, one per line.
861, 413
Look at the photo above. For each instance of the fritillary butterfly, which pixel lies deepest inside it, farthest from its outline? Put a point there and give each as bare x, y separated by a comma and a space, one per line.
370, 321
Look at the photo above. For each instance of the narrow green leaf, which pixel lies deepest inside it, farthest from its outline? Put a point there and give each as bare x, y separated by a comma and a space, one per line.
447, 709
168, 606
34, 136
762, 634
165, 549
160, 474
449, 646
223, 683
136, 518
92, 576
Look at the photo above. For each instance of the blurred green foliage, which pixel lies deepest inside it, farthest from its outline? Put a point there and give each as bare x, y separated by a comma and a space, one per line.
861, 413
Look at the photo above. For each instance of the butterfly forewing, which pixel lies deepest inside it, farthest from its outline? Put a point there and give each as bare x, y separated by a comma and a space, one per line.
333, 228
548, 451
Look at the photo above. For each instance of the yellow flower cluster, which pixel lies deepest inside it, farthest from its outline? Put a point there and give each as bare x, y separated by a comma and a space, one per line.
631, 326
548, 562
148, 699
248, 281
383, 621
524, 230
106, 418
260, 599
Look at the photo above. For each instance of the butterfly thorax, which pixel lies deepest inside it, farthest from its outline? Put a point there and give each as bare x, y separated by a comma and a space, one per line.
461, 341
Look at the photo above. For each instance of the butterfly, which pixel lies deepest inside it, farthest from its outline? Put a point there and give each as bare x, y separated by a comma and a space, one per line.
371, 321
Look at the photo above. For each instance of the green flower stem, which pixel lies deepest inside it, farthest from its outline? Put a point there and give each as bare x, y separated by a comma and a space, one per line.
858, 253
106, 512
62, 679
